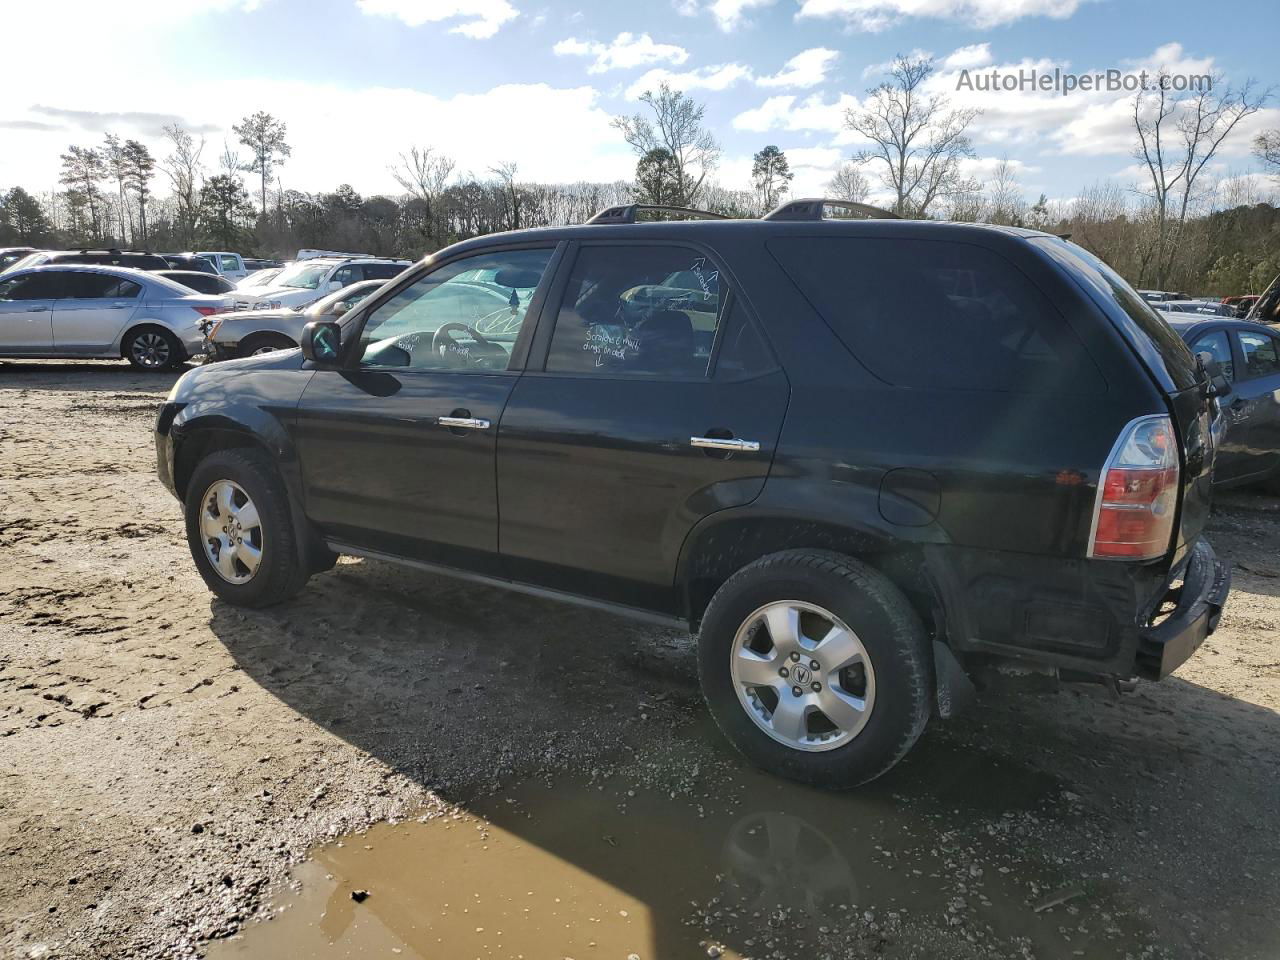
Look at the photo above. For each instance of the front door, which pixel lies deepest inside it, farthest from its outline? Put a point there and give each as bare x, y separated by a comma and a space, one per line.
397, 448
1232, 460
26, 311
658, 404
1255, 399
92, 311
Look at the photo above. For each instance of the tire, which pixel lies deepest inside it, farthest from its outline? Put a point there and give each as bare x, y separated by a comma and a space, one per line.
152, 348
888, 668
264, 343
235, 575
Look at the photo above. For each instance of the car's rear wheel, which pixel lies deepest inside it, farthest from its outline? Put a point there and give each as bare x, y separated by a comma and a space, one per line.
152, 348
816, 667
240, 529
265, 343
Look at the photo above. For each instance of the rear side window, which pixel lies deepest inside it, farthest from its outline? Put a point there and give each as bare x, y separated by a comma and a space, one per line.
643, 311
1110, 287
1261, 358
382, 271
100, 286
938, 314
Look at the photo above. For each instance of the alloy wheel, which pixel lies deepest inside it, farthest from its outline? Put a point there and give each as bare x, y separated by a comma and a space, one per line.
150, 350
231, 531
803, 676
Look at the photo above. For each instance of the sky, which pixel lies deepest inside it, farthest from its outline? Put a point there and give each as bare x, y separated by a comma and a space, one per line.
537, 81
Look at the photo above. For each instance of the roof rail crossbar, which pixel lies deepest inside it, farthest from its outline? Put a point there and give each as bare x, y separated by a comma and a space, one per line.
629, 213
813, 208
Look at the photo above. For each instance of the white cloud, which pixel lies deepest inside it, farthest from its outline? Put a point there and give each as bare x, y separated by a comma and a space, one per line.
625, 51
481, 19
813, 113
714, 78
883, 68
728, 14
968, 58
875, 15
806, 69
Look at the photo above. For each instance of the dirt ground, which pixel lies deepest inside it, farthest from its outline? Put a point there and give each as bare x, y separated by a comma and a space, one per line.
165, 758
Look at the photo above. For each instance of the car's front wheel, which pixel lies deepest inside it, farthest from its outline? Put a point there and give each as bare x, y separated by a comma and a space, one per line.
240, 529
816, 667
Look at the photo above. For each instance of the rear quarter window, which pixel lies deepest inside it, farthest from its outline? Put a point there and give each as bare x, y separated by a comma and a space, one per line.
938, 314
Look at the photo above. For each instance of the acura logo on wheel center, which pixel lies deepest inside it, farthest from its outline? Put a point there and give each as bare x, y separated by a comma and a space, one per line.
800, 675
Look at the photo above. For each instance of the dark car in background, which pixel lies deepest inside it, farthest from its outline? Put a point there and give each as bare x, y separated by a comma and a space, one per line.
133, 259
11, 255
861, 458
199, 281
1249, 356
189, 261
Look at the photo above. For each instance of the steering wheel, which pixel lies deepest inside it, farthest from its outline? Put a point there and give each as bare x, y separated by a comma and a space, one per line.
442, 342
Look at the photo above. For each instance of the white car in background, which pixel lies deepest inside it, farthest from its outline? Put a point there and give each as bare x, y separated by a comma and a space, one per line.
308, 280
230, 265
260, 278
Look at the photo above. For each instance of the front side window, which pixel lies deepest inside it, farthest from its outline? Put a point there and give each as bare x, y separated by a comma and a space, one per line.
1261, 358
230, 262
445, 322
938, 314
34, 286
351, 273
646, 311
1215, 344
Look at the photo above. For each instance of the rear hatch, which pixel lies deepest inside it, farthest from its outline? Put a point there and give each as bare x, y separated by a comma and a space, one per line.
1172, 366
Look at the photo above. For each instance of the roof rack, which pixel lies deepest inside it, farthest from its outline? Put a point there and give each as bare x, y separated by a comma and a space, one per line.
629, 213
814, 208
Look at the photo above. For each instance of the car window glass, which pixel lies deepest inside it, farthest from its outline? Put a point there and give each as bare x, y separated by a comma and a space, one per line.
1261, 358
348, 275
99, 286
443, 322
1215, 344
36, 286
938, 315
382, 271
647, 311
230, 262
742, 350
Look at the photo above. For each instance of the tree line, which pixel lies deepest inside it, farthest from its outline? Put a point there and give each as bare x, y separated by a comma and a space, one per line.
1177, 227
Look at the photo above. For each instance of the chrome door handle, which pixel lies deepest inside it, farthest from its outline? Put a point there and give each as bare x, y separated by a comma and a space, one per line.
466, 423
715, 443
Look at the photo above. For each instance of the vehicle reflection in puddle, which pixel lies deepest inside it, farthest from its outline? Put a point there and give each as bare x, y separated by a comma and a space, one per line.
748, 866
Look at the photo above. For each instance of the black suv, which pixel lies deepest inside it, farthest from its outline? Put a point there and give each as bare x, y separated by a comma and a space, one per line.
862, 458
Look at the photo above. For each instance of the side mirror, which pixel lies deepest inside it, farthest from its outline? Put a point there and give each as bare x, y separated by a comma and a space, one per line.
322, 342
335, 285
1219, 384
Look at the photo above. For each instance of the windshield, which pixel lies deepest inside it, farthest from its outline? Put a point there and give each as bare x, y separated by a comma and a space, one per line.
352, 294
305, 276
30, 260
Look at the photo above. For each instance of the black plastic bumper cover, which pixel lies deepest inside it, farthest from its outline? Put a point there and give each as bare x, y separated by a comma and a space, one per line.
1199, 601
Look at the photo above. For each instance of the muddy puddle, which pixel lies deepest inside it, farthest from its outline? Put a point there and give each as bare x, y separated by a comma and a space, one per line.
927, 864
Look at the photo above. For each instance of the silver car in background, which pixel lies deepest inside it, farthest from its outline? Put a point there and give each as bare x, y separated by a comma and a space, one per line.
244, 333
88, 311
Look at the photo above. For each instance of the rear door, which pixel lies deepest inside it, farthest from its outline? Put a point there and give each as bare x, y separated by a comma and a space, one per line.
651, 402
1255, 398
26, 312
92, 311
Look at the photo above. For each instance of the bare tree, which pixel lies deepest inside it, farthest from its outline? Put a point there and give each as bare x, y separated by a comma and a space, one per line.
506, 174
184, 170
113, 157
1266, 147
1177, 134
1007, 204
424, 174
848, 183
677, 128
264, 135
917, 140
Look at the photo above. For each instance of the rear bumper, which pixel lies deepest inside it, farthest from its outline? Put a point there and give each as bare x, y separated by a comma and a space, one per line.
1198, 603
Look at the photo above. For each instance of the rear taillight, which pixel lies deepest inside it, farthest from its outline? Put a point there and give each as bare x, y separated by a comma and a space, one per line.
205, 311
1137, 493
